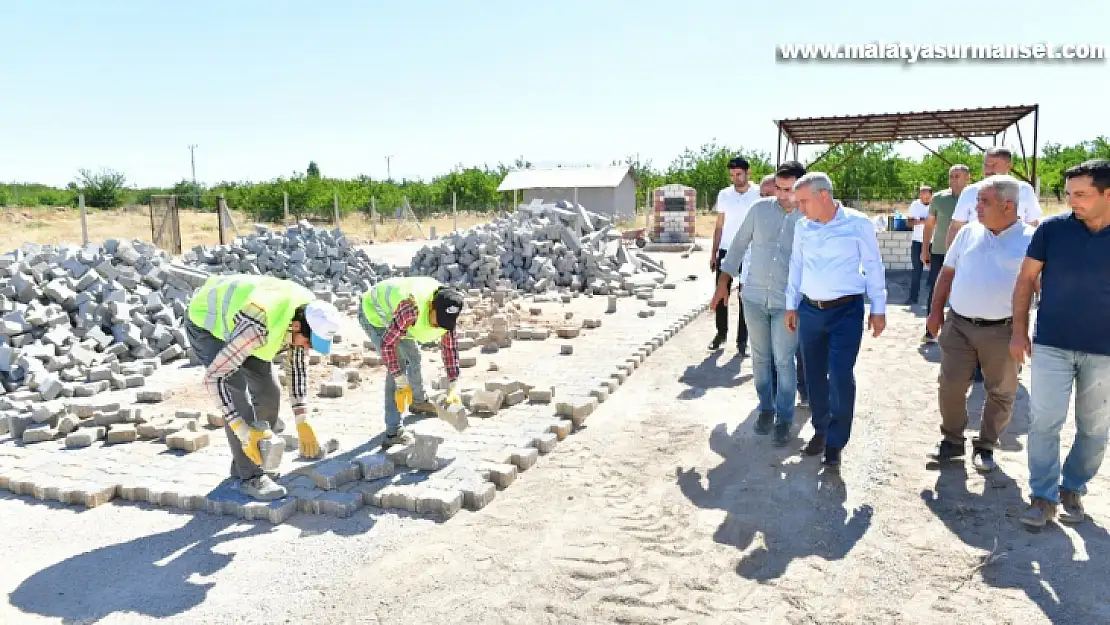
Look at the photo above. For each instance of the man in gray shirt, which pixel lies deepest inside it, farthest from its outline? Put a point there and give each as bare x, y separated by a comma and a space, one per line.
769, 229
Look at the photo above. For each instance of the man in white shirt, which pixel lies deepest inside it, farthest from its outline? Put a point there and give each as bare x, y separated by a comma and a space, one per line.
733, 203
997, 161
834, 261
980, 271
918, 213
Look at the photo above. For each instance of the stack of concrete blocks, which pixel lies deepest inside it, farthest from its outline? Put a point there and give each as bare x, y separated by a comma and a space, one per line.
541, 247
895, 248
319, 259
78, 321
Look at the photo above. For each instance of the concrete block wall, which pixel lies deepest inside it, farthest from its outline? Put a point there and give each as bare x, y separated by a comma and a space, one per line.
895, 248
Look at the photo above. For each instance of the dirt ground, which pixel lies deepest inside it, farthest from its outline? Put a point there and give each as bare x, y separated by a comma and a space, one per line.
666, 508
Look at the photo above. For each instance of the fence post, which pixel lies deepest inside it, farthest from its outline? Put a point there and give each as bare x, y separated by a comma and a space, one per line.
286, 204
220, 218
454, 212
335, 207
84, 222
373, 217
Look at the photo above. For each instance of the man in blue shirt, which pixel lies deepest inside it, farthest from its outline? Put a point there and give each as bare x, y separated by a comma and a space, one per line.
835, 260
1070, 256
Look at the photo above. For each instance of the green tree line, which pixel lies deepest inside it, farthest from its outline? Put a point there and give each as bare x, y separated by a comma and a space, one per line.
858, 171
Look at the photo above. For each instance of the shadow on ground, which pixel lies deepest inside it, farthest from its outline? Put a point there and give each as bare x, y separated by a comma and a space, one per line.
712, 373
756, 491
152, 575
1063, 572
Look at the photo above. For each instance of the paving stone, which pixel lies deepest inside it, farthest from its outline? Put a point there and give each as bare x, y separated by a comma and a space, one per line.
332, 474
335, 503
477, 494
439, 503
396, 496
486, 401
374, 465
423, 455
84, 437
502, 475
39, 433
566, 349
577, 410
540, 395
330, 389
562, 428
515, 397
187, 441
525, 458
122, 433
455, 415
546, 442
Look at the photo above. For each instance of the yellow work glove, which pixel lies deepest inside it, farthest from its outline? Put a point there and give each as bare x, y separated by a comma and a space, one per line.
402, 397
249, 438
310, 448
453, 398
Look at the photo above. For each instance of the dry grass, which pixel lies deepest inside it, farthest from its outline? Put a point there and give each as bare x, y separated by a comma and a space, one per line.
62, 225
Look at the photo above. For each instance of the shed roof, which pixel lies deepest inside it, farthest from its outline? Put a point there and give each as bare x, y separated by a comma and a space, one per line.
955, 123
565, 178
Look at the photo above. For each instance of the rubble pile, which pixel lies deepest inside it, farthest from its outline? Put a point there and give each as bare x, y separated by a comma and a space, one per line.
77, 321
319, 259
539, 248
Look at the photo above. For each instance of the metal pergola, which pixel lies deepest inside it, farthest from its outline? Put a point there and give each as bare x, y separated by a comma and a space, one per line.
966, 124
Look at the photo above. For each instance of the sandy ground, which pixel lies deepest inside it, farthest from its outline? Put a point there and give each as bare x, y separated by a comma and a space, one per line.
667, 508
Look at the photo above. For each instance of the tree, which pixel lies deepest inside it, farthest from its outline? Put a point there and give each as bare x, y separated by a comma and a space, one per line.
103, 189
313, 170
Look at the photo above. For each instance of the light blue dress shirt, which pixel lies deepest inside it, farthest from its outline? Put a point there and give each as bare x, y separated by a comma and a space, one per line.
836, 259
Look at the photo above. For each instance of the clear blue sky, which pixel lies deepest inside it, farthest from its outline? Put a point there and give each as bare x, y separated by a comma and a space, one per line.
262, 87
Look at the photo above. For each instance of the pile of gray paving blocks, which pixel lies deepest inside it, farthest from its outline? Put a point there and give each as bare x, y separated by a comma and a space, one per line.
541, 247
319, 259
79, 321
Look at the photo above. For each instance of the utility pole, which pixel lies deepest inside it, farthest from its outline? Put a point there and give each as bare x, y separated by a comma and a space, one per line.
193, 159
388, 170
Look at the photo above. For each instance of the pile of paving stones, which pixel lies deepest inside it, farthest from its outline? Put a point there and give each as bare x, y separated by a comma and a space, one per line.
319, 259
541, 247
78, 321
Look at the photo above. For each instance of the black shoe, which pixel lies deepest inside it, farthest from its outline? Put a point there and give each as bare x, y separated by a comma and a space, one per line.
764, 423
815, 446
742, 349
715, 344
832, 458
983, 460
782, 434
947, 450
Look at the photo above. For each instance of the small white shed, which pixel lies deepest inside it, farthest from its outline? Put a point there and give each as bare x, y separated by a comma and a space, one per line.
605, 190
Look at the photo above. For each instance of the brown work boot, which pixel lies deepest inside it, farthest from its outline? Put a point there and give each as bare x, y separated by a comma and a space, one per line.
422, 407
1071, 504
1039, 513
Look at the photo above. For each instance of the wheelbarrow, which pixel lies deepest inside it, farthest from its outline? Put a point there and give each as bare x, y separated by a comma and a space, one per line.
637, 237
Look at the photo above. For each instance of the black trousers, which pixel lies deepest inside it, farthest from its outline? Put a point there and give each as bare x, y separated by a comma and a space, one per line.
918, 267
936, 263
722, 309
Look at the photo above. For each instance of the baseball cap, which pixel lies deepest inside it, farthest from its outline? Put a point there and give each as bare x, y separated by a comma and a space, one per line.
448, 304
323, 323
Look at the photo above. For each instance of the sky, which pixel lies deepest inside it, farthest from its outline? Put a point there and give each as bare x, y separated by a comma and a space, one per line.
263, 87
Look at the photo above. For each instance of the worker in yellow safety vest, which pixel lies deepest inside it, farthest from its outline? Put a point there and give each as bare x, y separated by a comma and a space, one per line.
237, 325
397, 314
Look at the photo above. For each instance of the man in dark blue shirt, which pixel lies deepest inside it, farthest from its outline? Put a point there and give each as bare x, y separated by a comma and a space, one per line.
1070, 255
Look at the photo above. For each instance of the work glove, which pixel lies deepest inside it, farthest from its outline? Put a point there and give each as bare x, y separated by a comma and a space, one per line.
452, 398
402, 397
249, 437
309, 446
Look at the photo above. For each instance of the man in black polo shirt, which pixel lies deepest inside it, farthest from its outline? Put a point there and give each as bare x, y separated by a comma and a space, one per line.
1070, 254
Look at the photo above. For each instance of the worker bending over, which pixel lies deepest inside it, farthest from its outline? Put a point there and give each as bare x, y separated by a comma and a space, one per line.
237, 325
398, 314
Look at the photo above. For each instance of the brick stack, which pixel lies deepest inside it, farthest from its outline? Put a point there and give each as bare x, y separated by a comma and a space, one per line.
675, 207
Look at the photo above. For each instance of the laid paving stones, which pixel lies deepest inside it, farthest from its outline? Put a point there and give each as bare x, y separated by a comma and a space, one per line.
471, 464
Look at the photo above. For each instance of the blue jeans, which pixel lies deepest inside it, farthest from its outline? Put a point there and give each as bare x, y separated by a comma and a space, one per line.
773, 347
1053, 373
830, 341
408, 354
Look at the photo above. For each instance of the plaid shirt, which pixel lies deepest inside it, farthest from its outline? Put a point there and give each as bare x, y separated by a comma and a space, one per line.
403, 319
248, 335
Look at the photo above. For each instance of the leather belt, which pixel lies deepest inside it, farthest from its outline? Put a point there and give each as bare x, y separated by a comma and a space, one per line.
831, 303
975, 321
